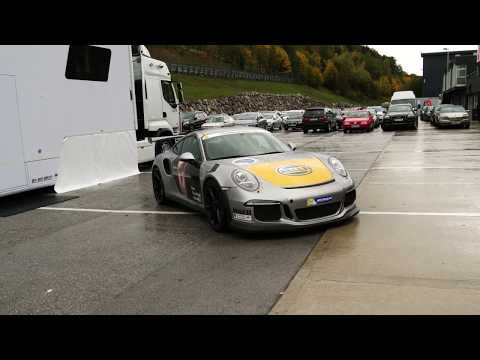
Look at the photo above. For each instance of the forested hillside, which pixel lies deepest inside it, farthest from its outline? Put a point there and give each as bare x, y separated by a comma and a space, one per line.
353, 71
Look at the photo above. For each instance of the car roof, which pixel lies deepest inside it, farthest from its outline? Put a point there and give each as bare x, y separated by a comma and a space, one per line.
231, 130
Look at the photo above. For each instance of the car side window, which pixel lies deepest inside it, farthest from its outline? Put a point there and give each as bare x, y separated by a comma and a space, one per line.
177, 148
191, 145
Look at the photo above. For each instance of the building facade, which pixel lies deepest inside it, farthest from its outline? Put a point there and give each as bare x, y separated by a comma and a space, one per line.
434, 66
473, 92
454, 88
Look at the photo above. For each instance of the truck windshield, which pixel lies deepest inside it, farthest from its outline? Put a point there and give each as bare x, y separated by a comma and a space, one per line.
242, 144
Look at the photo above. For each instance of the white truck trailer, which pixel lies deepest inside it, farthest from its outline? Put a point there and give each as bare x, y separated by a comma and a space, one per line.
68, 114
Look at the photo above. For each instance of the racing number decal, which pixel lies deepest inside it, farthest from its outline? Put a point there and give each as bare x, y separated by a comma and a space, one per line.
182, 177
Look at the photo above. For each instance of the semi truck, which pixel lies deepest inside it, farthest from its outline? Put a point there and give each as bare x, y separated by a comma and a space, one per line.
73, 116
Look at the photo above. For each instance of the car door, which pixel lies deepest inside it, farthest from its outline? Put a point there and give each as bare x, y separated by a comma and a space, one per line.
187, 174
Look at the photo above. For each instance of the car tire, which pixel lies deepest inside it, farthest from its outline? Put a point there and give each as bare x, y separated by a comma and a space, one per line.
467, 126
345, 131
158, 187
385, 128
216, 207
329, 127
415, 125
305, 131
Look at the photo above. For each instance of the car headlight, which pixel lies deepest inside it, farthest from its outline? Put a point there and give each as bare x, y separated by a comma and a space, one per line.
387, 116
338, 166
411, 115
246, 180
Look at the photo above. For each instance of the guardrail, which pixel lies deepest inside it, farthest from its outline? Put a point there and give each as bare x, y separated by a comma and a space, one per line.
209, 71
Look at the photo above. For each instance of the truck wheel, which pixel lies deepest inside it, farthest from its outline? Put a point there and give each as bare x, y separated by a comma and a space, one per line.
158, 188
216, 206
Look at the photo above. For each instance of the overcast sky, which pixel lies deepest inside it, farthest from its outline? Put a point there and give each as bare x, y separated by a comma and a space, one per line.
408, 56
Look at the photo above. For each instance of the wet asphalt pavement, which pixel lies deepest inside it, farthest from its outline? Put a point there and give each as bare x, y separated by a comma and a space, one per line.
415, 247
72, 262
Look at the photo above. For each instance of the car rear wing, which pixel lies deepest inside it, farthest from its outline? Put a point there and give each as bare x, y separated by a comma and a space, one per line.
164, 138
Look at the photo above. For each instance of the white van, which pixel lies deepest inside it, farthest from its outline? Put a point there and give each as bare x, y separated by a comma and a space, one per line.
404, 97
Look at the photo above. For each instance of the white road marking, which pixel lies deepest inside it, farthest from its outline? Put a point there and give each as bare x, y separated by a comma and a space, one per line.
422, 183
419, 213
424, 167
119, 211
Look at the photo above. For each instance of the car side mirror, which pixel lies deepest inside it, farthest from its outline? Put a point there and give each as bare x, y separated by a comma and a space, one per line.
292, 146
187, 157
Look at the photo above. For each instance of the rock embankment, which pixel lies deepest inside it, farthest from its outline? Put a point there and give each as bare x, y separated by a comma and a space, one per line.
253, 101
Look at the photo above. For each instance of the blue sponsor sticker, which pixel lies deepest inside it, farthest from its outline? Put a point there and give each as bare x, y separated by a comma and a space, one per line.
244, 161
318, 200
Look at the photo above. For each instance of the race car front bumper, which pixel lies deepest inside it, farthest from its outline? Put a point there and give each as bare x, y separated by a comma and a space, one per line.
301, 209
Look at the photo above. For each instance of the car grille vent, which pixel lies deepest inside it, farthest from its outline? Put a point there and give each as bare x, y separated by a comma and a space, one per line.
350, 198
267, 212
319, 211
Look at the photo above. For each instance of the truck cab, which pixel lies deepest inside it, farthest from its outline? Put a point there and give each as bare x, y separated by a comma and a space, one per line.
157, 100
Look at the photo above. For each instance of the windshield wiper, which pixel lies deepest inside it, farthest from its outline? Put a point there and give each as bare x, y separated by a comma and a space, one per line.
271, 152
227, 157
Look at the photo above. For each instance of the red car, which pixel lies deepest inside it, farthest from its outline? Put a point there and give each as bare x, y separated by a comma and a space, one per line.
358, 120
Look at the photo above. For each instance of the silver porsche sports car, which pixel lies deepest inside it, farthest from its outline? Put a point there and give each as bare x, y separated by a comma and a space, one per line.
243, 177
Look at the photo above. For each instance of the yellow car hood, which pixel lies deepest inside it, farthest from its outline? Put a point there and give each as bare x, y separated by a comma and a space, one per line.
293, 173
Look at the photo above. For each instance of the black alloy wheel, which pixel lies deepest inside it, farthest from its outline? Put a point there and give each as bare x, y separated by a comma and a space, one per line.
158, 187
216, 207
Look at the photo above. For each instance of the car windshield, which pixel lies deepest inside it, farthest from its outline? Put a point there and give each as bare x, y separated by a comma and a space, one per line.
452, 109
188, 115
242, 144
246, 116
314, 112
356, 114
215, 119
400, 108
294, 114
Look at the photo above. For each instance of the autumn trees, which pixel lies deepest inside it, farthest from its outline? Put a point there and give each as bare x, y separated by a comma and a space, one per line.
350, 70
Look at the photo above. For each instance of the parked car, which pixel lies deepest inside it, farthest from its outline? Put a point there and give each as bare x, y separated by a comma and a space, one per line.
284, 116
400, 115
247, 118
379, 112
338, 118
271, 121
425, 113
193, 120
218, 120
294, 119
453, 115
435, 112
317, 118
358, 120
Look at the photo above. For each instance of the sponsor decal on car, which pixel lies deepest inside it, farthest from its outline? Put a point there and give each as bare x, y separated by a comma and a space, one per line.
244, 161
318, 200
293, 173
294, 170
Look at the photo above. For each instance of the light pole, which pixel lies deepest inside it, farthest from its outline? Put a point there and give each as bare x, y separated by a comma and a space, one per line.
446, 68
